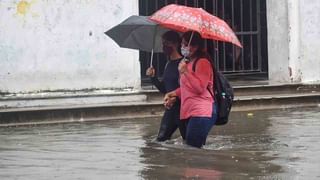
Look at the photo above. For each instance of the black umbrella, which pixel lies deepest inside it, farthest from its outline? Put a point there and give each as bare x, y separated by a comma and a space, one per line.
138, 32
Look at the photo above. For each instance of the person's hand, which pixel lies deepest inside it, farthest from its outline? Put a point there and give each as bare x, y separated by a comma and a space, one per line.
151, 72
169, 103
169, 99
182, 67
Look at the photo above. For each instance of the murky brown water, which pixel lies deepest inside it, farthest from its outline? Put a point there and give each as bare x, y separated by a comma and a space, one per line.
280, 144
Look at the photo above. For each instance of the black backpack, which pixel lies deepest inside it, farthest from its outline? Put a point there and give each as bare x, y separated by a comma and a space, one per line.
223, 94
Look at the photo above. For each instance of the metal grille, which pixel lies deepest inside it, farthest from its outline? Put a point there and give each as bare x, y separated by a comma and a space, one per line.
246, 17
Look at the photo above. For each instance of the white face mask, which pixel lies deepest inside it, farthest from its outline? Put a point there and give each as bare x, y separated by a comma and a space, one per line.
185, 51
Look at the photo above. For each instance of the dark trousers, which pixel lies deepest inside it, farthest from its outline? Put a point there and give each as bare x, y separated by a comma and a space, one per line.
198, 129
171, 122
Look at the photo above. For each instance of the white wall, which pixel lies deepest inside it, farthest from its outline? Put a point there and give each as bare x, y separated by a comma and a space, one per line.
310, 40
59, 44
293, 40
278, 45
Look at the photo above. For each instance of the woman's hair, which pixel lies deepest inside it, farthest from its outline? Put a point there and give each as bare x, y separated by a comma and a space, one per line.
198, 41
172, 37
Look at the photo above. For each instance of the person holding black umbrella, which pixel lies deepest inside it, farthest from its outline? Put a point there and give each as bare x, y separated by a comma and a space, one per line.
171, 119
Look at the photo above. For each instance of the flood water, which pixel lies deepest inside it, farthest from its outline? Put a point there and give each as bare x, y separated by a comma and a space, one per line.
277, 144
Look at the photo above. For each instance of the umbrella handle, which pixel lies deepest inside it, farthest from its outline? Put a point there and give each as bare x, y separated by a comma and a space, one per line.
184, 57
154, 38
151, 60
190, 38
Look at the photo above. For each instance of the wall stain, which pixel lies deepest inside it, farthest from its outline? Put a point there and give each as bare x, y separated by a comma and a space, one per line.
23, 7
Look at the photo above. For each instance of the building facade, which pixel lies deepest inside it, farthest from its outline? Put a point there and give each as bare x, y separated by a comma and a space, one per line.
60, 45
293, 40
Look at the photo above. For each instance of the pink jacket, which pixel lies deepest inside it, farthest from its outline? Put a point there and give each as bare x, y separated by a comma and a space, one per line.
196, 100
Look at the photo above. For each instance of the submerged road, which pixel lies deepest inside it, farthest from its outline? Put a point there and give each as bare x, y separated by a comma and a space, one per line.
271, 144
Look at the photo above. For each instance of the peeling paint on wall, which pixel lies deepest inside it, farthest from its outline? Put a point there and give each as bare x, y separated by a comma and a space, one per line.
290, 73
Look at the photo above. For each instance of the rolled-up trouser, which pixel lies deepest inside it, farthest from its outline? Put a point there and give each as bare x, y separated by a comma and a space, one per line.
170, 122
198, 129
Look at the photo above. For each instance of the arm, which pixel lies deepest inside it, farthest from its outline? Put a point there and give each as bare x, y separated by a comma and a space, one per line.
159, 84
178, 92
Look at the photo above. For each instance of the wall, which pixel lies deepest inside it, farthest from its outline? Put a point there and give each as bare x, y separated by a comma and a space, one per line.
278, 46
293, 40
60, 45
310, 40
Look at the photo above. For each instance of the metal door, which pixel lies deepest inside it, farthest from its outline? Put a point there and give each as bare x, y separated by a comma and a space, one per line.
246, 17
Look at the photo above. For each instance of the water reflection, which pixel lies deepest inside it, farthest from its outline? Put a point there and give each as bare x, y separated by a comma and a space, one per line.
300, 132
281, 144
254, 145
73, 151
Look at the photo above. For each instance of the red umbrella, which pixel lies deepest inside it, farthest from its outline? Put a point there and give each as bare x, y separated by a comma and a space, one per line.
183, 19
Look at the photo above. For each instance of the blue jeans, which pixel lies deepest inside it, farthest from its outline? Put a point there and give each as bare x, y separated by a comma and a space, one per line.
198, 128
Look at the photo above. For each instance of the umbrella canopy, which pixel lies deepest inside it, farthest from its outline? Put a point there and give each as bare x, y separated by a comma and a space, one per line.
183, 18
138, 32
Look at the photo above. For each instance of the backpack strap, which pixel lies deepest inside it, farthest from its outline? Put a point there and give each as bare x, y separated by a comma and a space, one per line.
214, 70
194, 65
